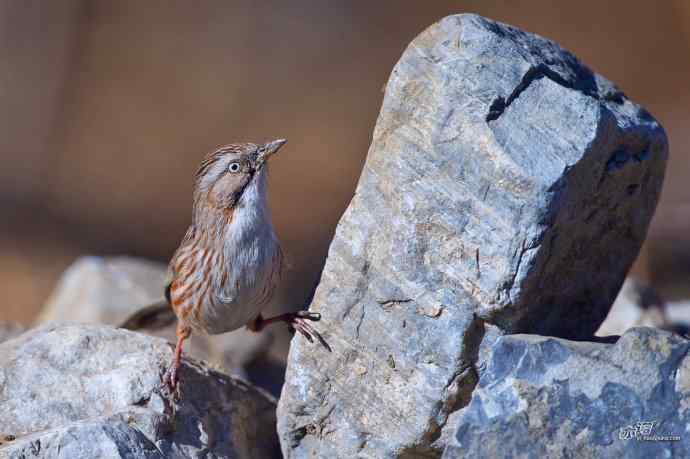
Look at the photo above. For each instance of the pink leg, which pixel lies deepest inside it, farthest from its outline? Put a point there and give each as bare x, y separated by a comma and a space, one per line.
172, 379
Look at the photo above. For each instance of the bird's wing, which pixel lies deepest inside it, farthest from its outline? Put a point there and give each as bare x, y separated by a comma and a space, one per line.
183, 250
153, 317
274, 276
275, 268
160, 314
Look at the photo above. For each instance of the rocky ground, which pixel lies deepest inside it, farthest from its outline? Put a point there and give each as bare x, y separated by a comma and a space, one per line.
506, 193
92, 391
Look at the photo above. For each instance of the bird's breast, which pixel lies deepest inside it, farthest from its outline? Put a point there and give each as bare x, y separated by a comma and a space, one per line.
244, 287
242, 282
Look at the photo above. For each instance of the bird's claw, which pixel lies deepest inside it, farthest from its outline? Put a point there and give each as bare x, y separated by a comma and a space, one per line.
300, 323
171, 382
309, 315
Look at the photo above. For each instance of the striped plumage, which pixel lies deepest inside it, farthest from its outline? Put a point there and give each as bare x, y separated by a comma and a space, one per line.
199, 292
228, 265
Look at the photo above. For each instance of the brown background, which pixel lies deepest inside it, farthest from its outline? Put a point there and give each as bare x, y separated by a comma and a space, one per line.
106, 108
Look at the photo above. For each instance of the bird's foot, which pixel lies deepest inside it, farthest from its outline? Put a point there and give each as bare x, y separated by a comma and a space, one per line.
299, 321
171, 383
171, 379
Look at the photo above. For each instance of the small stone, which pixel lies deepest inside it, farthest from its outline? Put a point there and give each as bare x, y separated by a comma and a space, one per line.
432, 311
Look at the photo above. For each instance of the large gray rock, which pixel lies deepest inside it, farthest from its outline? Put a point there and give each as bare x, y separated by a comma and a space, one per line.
506, 184
104, 290
109, 290
548, 397
85, 391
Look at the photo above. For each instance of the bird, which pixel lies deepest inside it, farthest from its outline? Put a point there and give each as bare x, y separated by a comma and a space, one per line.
228, 264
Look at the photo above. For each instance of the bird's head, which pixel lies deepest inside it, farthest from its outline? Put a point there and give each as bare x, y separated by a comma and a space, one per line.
229, 172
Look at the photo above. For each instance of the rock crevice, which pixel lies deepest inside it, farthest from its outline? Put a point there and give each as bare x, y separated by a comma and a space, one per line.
500, 104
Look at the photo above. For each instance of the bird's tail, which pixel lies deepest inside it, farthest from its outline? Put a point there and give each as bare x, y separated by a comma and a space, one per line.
152, 317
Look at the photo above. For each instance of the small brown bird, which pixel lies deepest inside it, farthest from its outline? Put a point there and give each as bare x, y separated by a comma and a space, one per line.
229, 262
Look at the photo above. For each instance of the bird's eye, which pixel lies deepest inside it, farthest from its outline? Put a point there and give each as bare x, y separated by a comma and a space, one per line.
234, 167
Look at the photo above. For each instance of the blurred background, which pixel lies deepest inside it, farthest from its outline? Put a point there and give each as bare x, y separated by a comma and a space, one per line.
107, 107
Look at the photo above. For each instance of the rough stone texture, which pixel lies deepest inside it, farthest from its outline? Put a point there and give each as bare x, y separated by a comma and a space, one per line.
506, 184
109, 290
548, 397
85, 391
104, 290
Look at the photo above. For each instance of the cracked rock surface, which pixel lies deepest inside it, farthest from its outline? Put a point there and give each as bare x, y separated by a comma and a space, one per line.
548, 397
86, 391
507, 189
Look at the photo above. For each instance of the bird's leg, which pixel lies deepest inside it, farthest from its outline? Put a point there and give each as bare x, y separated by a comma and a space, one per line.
298, 321
172, 378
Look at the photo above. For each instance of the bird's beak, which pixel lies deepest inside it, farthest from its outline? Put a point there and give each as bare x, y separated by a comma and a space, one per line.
269, 149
